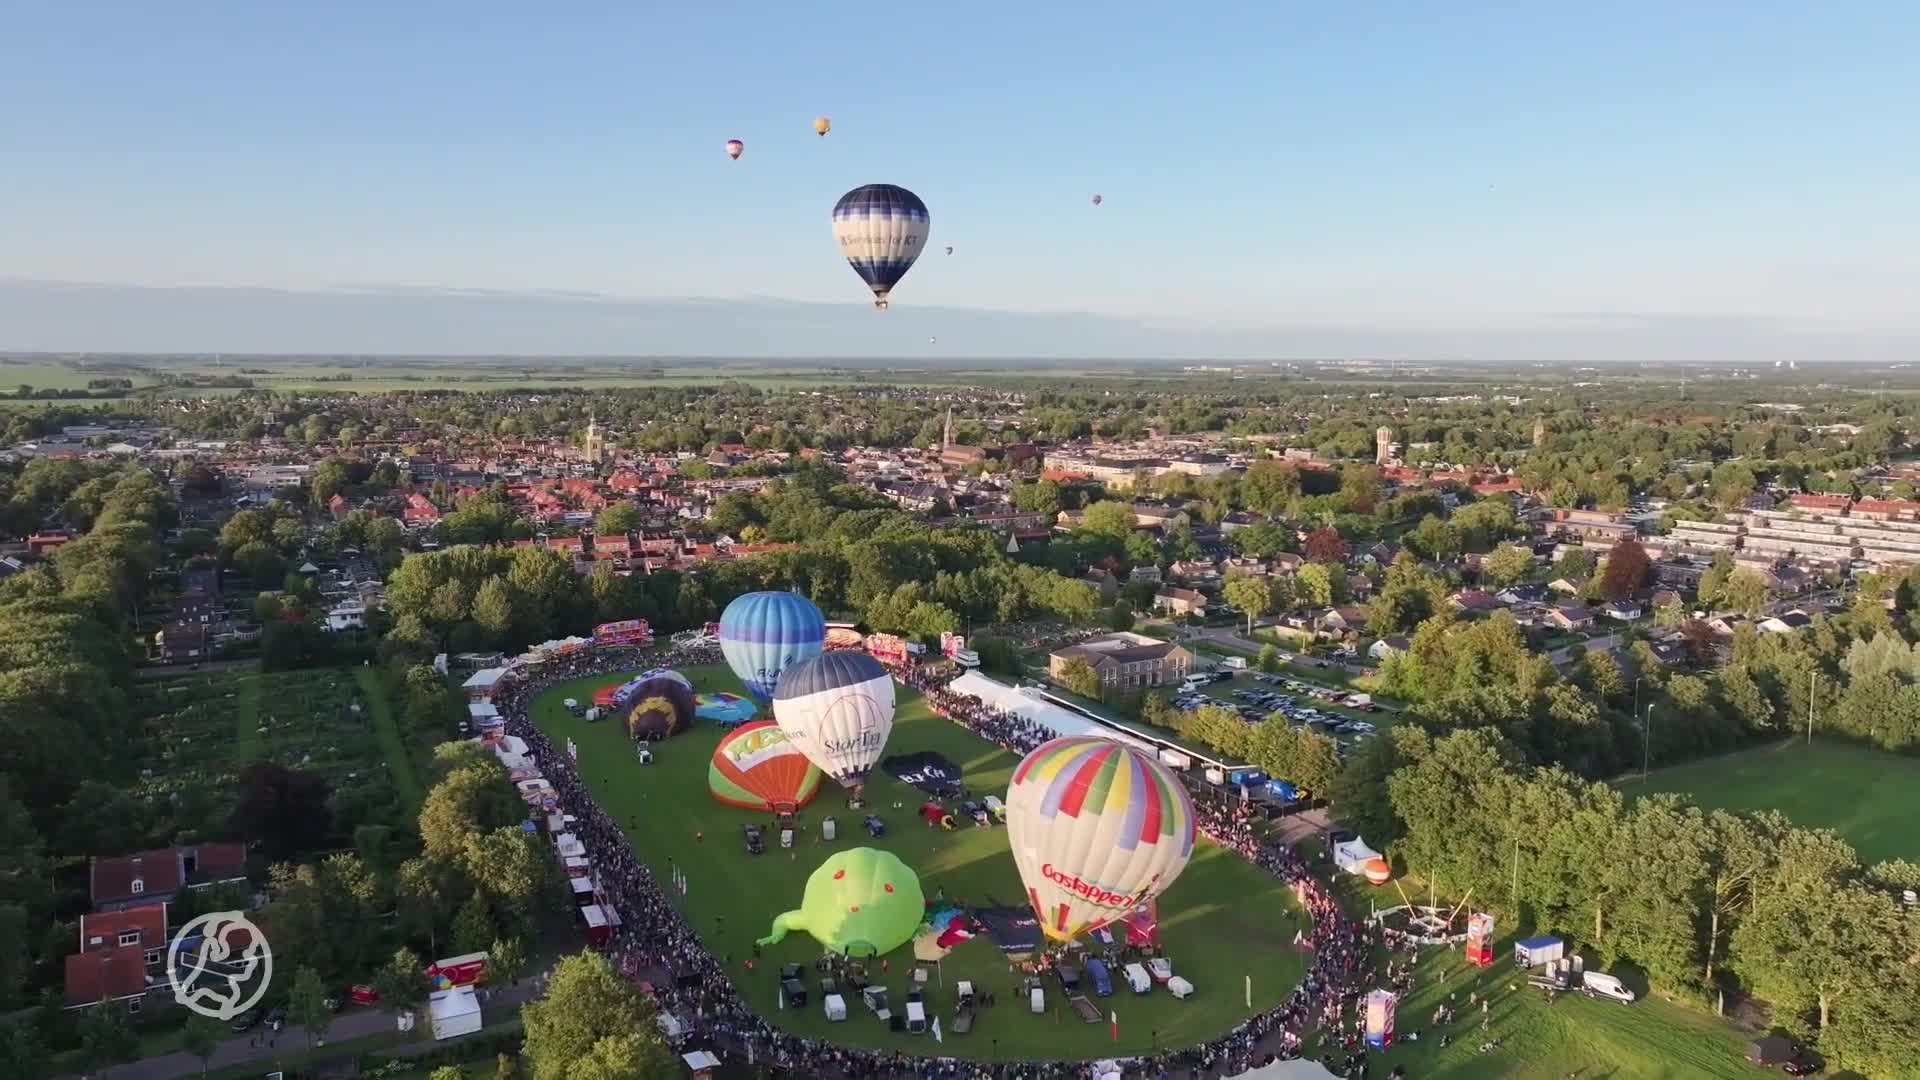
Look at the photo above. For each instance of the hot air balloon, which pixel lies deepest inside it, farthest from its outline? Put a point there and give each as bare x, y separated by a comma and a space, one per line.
822, 125
933, 341
880, 228
949, 249
758, 768
1096, 200
1098, 828
657, 706
735, 148
761, 633
837, 708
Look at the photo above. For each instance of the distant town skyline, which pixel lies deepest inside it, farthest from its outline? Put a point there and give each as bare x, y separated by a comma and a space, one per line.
1692, 182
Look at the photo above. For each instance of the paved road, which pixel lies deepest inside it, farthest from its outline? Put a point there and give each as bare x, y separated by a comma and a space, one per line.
263, 1046
205, 667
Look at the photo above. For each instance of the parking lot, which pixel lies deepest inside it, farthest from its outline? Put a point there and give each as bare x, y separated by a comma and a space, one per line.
1257, 696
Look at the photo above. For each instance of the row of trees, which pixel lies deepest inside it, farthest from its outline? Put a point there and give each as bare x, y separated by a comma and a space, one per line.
1703, 901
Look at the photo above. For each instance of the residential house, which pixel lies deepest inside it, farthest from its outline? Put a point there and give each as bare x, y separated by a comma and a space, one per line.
179, 642
1391, 645
1474, 601
110, 976
1522, 594
125, 881
1785, 623
1571, 616
1622, 610
1195, 572
351, 615
1179, 602
420, 511
1341, 621
1104, 583
1148, 573
1127, 661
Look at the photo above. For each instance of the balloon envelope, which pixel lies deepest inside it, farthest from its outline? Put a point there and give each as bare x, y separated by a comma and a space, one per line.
757, 767
880, 229
837, 708
761, 633
1097, 829
734, 148
1096, 200
657, 707
822, 125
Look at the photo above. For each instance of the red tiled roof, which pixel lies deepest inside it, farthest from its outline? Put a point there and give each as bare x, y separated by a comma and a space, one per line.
101, 932
157, 871
113, 974
1821, 502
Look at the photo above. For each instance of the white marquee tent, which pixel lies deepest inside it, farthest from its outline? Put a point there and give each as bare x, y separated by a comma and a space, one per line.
1036, 709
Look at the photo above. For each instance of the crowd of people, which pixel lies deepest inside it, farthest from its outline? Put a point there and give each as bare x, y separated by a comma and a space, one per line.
655, 944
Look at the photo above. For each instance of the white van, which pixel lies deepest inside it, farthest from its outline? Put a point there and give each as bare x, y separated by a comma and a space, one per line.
1137, 978
1600, 984
916, 1017
1193, 684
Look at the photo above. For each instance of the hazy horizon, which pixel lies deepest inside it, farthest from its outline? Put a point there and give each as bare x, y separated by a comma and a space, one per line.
50, 316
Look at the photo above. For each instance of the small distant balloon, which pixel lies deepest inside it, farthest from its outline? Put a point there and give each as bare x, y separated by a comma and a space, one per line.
933, 341
1097, 200
735, 148
949, 249
822, 125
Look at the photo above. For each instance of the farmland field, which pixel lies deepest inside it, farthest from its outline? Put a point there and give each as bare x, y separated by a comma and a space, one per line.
1221, 922
1868, 796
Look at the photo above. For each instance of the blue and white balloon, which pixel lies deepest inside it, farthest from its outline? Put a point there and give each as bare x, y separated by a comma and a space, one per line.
880, 229
762, 633
837, 708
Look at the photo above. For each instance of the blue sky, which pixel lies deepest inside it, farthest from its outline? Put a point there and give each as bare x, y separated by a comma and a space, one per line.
1272, 167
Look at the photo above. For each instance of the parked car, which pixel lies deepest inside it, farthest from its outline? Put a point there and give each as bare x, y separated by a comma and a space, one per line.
1597, 984
276, 1019
246, 1021
1097, 975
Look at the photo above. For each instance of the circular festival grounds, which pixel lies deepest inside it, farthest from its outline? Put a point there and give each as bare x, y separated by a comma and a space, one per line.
1220, 923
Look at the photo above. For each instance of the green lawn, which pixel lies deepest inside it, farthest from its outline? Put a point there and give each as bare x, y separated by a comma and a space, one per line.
1222, 921
379, 705
1647, 1040
1870, 797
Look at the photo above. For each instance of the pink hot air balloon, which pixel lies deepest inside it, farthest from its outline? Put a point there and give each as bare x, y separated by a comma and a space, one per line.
735, 148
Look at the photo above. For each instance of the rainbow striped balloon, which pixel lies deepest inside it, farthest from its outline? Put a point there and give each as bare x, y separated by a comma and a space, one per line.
1098, 828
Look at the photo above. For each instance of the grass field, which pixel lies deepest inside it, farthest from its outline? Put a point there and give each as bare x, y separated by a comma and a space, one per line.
1870, 797
1647, 1040
1222, 921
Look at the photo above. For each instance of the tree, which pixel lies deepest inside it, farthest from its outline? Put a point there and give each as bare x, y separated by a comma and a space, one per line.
307, 1006
105, 1038
1507, 565
1315, 585
473, 928
1627, 570
1251, 595
588, 1002
1269, 660
21, 1051
1113, 520
283, 810
1746, 591
1260, 540
506, 961
618, 519
1326, 545
1359, 790
401, 982
448, 1072
1713, 584
1434, 539
1078, 676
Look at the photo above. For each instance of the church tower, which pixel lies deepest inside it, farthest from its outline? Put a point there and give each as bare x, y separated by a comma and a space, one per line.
1383, 446
594, 449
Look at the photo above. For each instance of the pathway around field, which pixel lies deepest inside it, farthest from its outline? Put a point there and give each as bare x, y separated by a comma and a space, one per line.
246, 723
387, 729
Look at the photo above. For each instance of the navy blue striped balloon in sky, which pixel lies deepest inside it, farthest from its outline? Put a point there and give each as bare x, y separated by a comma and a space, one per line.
880, 229
763, 633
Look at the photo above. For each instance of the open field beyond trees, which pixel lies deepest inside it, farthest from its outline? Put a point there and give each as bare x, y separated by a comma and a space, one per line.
1870, 797
1222, 921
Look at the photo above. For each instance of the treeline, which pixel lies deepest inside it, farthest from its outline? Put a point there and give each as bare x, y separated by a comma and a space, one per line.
890, 570
1702, 901
65, 670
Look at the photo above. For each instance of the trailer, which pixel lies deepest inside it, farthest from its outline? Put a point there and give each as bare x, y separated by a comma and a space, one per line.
1535, 951
1174, 759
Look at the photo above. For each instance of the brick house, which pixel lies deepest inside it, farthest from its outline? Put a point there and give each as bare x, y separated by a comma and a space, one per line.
126, 881
1127, 661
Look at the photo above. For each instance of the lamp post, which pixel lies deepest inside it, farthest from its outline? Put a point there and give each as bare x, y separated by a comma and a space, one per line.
1646, 743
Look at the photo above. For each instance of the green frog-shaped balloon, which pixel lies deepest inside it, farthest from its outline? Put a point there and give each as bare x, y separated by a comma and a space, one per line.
860, 902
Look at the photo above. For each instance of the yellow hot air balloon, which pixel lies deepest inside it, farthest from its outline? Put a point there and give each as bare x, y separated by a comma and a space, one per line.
822, 125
